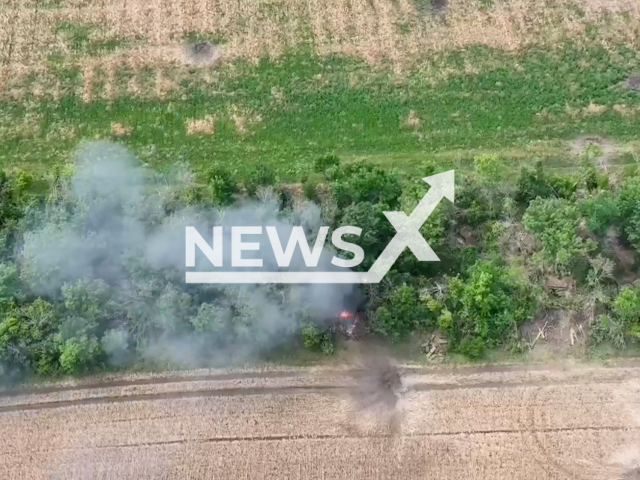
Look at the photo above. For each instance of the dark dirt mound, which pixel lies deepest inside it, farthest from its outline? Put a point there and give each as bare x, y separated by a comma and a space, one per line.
633, 474
633, 82
202, 53
439, 6
378, 384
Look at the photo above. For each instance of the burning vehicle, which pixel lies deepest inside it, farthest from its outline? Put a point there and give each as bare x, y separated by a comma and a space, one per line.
348, 323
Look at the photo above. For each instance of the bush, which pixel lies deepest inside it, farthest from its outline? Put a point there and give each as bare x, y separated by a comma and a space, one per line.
608, 328
376, 229
629, 208
626, 307
555, 223
223, 186
327, 346
27, 337
309, 189
471, 347
311, 336
487, 304
261, 176
79, 354
535, 183
401, 313
326, 165
601, 212
365, 182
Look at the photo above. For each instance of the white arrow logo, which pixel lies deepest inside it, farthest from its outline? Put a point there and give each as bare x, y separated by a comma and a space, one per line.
408, 228
407, 235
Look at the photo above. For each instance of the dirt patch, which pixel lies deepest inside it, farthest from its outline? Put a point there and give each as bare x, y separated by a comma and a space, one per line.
556, 334
379, 384
439, 7
595, 109
609, 150
202, 53
632, 83
201, 126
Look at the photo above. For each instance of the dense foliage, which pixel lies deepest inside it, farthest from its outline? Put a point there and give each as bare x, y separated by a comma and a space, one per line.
79, 309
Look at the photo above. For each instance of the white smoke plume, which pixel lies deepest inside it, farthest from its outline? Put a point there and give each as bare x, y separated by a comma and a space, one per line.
118, 227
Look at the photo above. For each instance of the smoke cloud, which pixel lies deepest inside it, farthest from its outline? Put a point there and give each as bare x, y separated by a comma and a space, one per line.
118, 227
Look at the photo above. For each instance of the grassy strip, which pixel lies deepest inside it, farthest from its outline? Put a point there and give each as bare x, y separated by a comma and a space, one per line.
285, 113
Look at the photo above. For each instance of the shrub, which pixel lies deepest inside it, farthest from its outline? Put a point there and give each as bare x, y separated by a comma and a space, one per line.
471, 347
327, 346
261, 176
309, 189
629, 208
555, 223
326, 165
535, 183
311, 336
365, 182
487, 304
626, 308
601, 212
401, 313
79, 354
223, 186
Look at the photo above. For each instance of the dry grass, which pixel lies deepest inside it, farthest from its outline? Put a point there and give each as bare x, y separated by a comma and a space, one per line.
201, 126
412, 121
595, 109
368, 29
243, 119
120, 130
518, 425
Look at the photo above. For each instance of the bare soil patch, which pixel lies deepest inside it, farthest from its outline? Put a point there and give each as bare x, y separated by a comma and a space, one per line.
608, 148
202, 53
632, 83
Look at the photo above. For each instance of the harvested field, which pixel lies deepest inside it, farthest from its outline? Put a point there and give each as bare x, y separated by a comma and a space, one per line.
102, 38
579, 423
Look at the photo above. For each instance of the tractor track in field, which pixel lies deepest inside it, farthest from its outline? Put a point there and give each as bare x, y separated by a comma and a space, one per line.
288, 390
288, 438
322, 373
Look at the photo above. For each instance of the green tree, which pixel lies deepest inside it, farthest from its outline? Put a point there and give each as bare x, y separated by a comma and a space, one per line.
536, 183
376, 229
223, 186
79, 354
629, 208
626, 307
555, 223
401, 313
600, 211
26, 337
490, 302
365, 182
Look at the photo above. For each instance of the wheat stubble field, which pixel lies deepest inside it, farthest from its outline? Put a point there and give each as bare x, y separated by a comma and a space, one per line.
299, 423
